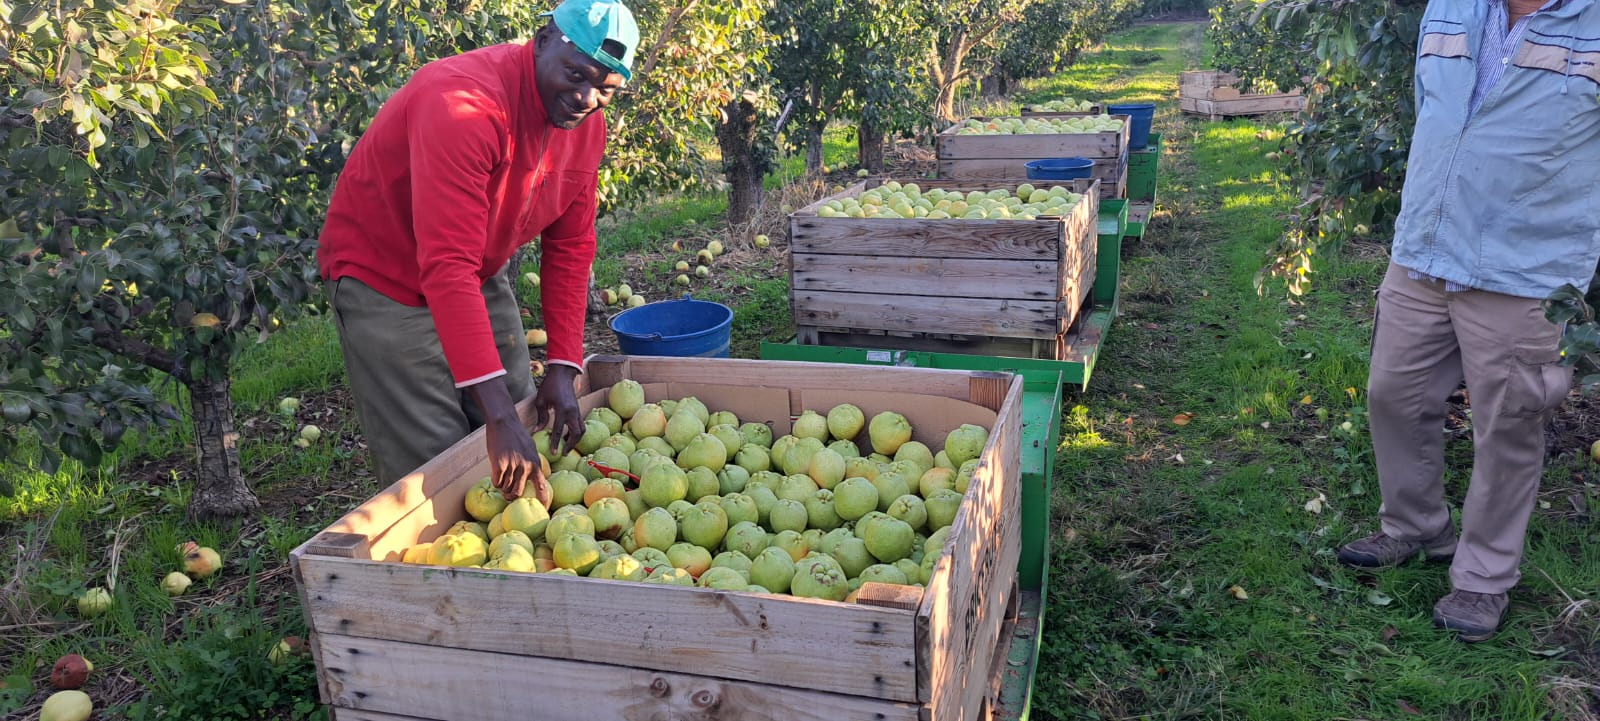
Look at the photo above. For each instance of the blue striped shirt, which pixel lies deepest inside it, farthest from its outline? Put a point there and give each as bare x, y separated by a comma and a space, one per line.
1499, 44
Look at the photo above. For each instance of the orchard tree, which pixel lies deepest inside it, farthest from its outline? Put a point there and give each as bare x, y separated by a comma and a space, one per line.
1348, 150
832, 59
1049, 38
696, 58
890, 91
957, 29
165, 168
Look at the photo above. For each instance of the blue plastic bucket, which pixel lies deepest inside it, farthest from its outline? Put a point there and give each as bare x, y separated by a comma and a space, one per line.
1140, 115
684, 328
1060, 168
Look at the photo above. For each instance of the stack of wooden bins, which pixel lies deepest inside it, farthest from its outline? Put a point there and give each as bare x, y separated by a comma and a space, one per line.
991, 157
403, 642
1212, 94
987, 287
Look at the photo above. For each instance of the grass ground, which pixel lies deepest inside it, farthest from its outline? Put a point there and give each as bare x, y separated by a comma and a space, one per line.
1221, 455
1213, 429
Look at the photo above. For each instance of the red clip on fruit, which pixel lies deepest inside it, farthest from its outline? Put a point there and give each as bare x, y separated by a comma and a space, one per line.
604, 469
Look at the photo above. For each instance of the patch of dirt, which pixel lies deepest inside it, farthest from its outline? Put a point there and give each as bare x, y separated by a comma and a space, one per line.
1575, 427
333, 411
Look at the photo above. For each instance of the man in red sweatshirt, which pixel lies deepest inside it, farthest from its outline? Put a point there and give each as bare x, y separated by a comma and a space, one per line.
475, 156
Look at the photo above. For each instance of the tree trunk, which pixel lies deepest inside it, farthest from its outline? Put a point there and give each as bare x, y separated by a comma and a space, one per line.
869, 146
597, 302
736, 136
948, 76
814, 149
220, 491
995, 85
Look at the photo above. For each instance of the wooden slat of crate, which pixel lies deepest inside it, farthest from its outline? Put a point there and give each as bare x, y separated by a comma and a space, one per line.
730, 635
354, 714
923, 238
941, 277
969, 345
964, 316
437, 682
1206, 79
967, 598
1245, 105
1110, 144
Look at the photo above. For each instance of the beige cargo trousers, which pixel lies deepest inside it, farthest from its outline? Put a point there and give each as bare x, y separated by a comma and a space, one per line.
1426, 341
409, 407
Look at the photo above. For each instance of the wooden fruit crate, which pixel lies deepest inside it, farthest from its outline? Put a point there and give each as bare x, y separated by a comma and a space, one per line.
1212, 94
402, 642
992, 157
993, 287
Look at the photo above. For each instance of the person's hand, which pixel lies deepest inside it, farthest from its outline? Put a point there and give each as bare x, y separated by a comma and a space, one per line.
555, 407
513, 457
514, 461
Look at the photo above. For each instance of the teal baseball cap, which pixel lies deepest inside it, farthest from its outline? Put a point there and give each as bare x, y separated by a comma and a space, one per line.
602, 29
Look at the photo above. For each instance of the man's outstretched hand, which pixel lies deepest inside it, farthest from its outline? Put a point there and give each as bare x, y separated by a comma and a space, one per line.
513, 457
555, 407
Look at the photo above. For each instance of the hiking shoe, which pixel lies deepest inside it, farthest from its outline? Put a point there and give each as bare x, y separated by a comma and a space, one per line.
1473, 616
1381, 550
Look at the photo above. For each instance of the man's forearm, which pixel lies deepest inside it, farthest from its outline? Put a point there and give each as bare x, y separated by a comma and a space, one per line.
494, 401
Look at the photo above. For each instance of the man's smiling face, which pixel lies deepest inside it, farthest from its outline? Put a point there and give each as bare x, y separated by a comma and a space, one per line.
571, 85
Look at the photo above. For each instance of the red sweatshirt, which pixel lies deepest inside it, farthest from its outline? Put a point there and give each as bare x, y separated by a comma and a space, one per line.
459, 169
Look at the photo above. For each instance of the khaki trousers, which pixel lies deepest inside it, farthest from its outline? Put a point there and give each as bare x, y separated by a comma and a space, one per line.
1426, 341
406, 399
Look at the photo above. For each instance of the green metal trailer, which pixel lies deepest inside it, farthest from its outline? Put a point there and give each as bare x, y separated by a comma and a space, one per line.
1043, 384
1143, 167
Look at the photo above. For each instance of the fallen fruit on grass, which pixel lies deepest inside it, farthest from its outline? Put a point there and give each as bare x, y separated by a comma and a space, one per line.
532, 278
94, 602
66, 706
287, 648
635, 301
175, 583
1594, 451
705, 256
538, 337
715, 247
202, 562
681, 280
862, 173
609, 296
702, 271
682, 266
763, 241
70, 672
624, 292
310, 433
289, 405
